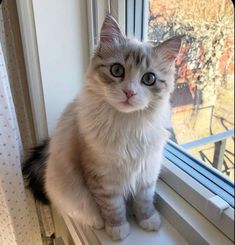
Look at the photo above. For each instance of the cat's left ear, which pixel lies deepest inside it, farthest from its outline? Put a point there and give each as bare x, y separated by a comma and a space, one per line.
168, 51
110, 31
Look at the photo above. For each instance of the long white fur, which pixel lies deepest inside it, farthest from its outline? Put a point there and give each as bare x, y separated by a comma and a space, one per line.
123, 143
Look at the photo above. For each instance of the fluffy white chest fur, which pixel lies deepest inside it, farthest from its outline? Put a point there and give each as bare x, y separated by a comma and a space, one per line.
128, 147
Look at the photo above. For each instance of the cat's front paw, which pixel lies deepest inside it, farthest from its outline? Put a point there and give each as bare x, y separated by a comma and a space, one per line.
153, 223
118, 232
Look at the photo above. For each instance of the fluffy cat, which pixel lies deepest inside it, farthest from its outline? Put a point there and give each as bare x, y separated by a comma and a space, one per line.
107, 146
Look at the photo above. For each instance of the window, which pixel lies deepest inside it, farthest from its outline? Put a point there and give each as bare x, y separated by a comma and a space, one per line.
202, 103
200, 154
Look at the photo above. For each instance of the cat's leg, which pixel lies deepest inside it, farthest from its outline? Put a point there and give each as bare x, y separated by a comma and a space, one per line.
113, 210
79, 205
69, 194
146, 215
86, 212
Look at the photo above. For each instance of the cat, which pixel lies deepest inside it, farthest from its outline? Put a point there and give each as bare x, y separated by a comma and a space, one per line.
107, 146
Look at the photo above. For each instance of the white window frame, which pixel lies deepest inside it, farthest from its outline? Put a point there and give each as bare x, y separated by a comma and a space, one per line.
31, 57
97, 11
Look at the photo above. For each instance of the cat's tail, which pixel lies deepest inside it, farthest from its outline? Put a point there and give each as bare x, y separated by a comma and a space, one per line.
34, 169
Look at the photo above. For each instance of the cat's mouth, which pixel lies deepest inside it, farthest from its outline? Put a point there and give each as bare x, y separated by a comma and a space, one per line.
126, 102
126, 106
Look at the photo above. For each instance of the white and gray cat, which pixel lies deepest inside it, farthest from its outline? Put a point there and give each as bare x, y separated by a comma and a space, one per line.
107, 146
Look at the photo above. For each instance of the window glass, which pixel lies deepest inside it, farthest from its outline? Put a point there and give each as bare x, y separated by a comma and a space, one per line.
203, 100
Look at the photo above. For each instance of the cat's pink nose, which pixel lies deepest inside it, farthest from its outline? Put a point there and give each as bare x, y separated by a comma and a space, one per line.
129, 93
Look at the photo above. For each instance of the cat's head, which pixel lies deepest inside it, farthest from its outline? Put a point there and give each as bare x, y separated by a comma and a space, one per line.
131, 75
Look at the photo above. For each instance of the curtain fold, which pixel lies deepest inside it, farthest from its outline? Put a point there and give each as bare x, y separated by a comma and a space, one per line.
18, 219
10, 39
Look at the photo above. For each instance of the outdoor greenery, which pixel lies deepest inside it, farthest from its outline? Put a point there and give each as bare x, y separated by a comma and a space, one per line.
206, 61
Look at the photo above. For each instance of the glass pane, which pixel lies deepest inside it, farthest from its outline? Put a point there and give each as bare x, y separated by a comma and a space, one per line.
203, 100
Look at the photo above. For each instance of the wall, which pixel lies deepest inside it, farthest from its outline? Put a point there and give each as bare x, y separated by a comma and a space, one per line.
62, 36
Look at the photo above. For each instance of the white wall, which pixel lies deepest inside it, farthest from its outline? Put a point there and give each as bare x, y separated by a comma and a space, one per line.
62, 36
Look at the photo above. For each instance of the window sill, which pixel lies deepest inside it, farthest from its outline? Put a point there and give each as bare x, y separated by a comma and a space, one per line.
182, 224
166, 235
199, 197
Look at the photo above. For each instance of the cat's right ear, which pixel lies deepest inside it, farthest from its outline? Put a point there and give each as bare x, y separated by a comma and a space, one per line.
110, 32
168, 51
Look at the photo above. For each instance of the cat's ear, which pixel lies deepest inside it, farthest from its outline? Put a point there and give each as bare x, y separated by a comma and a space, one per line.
110, 31
168, 51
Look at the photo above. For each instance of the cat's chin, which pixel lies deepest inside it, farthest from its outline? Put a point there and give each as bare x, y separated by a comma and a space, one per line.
126, 107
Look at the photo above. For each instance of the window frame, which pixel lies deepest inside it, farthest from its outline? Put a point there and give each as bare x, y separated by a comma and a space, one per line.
96, 12
32, 64
204, 174
199, 197
135, 26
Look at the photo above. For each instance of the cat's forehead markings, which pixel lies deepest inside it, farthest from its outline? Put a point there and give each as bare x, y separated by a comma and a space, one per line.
147, 61
138, 55
127, 55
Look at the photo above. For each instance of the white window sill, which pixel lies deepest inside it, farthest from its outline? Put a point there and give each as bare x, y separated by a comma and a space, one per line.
182, 224
166, 235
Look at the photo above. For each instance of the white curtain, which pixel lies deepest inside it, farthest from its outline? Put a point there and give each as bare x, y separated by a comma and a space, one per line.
18, 220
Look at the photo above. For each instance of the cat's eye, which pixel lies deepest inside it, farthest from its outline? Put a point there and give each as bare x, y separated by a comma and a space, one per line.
117, 70
148, 79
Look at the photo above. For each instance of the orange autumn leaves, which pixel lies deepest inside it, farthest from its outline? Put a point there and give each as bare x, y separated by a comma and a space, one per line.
207, 22
185, 73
